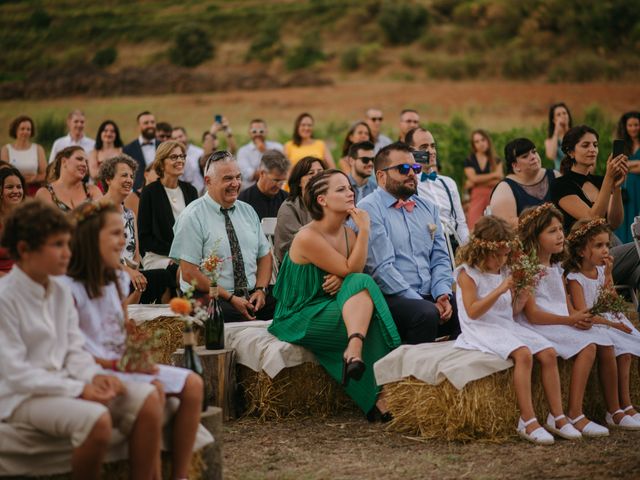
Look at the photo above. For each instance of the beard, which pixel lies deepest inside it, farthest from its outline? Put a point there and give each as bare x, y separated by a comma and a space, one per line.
362, 173
401, 189
149, 133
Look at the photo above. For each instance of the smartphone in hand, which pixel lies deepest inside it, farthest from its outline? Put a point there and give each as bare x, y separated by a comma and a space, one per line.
218, 118
618, 148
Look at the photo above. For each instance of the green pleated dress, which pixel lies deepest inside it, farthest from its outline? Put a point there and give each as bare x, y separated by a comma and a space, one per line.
307, 316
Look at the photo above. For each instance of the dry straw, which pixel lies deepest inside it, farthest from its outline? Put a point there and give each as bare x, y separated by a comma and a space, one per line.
171, 339
301, 391
484, 409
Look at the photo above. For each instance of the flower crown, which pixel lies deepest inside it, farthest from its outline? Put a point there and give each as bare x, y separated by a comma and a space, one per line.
585, 229
90, 209
535, 213
492, 245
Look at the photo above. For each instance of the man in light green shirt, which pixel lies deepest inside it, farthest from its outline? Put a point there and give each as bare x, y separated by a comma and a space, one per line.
219, 220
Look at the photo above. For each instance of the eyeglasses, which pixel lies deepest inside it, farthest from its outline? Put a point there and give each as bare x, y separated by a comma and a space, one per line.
176, 157
366, 160
376, 119
255, 131
405, 168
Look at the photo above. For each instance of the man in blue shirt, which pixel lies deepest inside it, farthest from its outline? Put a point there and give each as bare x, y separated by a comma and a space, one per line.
407, 255
221, 224
360, 158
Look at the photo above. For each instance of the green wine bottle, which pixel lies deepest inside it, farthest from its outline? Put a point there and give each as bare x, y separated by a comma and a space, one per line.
214, 324
192, 360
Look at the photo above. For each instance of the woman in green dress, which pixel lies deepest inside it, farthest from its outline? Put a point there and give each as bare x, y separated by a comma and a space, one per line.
325, 303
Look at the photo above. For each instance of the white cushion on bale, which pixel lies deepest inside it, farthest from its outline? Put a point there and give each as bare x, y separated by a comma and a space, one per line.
433, 363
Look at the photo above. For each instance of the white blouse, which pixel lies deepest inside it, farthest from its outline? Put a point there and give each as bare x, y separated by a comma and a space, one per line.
41, 345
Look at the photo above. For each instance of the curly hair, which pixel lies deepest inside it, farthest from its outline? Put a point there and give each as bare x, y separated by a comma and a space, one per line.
577, 243
33, 222
487, 230
108, 167
532, 222
86, 264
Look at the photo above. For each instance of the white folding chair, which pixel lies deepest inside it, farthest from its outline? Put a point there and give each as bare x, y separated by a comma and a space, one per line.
449, 230
269, 229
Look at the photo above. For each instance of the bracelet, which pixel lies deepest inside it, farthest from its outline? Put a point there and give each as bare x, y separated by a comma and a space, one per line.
230, 298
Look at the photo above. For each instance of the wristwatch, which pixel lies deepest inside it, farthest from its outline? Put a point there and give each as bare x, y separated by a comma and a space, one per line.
262, 289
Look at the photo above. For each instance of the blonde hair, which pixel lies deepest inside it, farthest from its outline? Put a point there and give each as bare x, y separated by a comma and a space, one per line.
490, 234
163, 152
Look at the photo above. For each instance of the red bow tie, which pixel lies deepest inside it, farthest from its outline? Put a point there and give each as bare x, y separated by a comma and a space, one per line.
406, 204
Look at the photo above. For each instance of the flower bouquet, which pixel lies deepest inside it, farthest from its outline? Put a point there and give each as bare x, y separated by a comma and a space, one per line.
608, 301
210, 265
526, 271
138, 350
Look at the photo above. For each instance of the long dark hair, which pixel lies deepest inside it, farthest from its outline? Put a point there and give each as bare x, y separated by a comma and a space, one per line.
297, 139
6, 173
299, 170
491, 153
532, 222
347, 143
622, 133
569, 142
117, 142
86, 264
552, 111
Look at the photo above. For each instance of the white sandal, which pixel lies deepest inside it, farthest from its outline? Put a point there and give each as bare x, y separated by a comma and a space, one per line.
635, 416
567, 431
591, 429
539, 436
627, 422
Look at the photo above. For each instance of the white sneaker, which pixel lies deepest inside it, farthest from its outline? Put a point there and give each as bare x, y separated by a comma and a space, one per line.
539, 436
567, 431
635, 416
627, 422
591, 429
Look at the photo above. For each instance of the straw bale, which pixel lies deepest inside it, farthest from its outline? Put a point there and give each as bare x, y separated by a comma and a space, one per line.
171, 339
484, 409
301, 391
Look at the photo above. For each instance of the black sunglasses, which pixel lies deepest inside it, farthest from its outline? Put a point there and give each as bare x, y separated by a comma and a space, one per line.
404, 168
376, 119
366, 160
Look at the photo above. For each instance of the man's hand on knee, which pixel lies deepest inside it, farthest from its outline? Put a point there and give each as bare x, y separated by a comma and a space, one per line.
444, 307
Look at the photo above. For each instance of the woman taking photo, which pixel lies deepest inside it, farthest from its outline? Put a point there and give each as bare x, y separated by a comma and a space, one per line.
559, 123
293, 214
581, 195
149, 286
359, 132
12, 193
325, 303
66, 188
527, 184
483, 171
304, 145
108, 145
160, 204
23, 154
629, 131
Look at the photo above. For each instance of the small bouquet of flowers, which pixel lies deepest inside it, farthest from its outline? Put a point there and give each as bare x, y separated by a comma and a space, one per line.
608, 301
526, 271
138, 350
188, 308
210, 265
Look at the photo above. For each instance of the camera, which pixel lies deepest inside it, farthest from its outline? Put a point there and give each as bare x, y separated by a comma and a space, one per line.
421, 156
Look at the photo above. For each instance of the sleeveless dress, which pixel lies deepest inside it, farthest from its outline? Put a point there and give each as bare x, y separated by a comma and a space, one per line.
632, 203
306, 315
550, 296
59, 203
495, 331
524, 196
622, 342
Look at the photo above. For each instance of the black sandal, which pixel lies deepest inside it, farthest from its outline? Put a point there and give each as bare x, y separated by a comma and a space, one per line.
352, 367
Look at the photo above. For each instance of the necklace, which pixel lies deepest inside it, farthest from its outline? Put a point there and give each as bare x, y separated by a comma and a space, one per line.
173, 194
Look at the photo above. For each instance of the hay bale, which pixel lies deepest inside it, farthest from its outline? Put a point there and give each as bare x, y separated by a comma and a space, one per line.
171, 339
301, 391
484, 409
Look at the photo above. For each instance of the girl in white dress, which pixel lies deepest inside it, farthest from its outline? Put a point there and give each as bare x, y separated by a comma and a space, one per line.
100, 286
588, 268
549, 312
485, 311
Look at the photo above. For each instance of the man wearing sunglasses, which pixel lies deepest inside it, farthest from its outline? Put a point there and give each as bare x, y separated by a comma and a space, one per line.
374, 120
439, 189
360, 159
250, 155
407, 254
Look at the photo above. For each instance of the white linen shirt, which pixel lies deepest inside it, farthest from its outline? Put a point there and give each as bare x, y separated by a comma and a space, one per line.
61, 143
192, 173
434, 191
249, 158
41, 345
